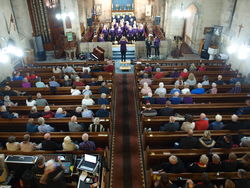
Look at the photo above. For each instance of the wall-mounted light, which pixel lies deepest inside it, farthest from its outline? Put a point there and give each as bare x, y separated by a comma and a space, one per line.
63, 16
181, 13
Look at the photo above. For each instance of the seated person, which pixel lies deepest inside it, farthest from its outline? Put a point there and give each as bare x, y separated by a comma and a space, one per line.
159, 74
145, 79
164, 182
244, 110
7, 102
217, 124
245, 141
148, 99
200, 166
243, 180
187, 99
87, 145
238, 78
161, 89
74, 91
17, 76
74, 126
103, 99
31, 127
188, 124
34, 113
205, 81
202, 68
224, 141
231, 164
146, 89
175, 99
234, 124
100, 80
172, 126
179, 82
86, 113
198, 90
161, 99
68, 145
174, 73
215, 165
236, 88
53, 83
78, 82
9, 91
175, 89
86, 74
56, 70
219, 80
104, 89
167, 110
184, 74
12, 145
191, 81
148, 111
188, 142
96, 126
48, 144
87, 90
48, 113
40, 84
192, 67
68, 69
77, 112
66, 81
5, 114
87, 100
186, 89
26, 83
41, 101
42, 127
38, 169
214, 89
102, 112
86, 67
206, 141
245, 162
31, 76
60, 113
30, 101
203, 123
26, 145
174, 165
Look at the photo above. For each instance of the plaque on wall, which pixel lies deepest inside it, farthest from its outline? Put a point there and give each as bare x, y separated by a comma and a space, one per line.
98, 9
69, 36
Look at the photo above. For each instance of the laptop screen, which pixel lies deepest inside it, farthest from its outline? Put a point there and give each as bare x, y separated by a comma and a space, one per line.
90, 158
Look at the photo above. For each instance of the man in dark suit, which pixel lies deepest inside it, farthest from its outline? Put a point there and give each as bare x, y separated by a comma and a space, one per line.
189, 141
47, 144
167, 110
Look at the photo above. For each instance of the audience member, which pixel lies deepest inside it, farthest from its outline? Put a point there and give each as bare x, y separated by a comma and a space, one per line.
104, 89
244, 110
77, 112
146, 89
184, 74
215, 165
34, 113
191, 80
60, 113
188, 124
174, 165
161, 99
17, 76
8, 102
167, 110
205, 81
206, 141
48, 113
68, 69
245, 141
200, 166
68, 145
42, 127
30, 101
198, 90
102, 112
87, 90
53, 83
145, 79
230, 165
148, 99
26, 145
164, 182
74, 126
214, 89
202, 124
186, 89
187, 99
56, 70
175, 89
74, 91
26, 83
9, 91
78, 82
245, 162
5, 114
161, 89
31, 127
12, 145
179, 82
172, 126
41, 101
243, 180
236, 88
176, 99
87, 100
87, 145
40, 84
86, 113
48, 144
148, 111
103, 99
224, 141
96, 126
66, 81
217, 124
159, 74
234, 124
175, 73
202, 68
219, 80
188, 142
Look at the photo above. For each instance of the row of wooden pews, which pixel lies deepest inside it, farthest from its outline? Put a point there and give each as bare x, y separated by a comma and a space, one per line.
159, 145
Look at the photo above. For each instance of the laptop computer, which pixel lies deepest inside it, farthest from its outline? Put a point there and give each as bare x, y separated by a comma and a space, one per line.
89, 163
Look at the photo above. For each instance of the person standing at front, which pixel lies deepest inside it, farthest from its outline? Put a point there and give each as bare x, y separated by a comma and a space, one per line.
157, 46
148, 45
123, 48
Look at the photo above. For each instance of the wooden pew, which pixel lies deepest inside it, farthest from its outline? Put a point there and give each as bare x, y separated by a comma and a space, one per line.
101, 139
57, 99
71, 63
19, 124
155, 122
182, 177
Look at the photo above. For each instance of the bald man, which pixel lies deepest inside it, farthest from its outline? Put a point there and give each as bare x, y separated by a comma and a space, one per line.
47, 144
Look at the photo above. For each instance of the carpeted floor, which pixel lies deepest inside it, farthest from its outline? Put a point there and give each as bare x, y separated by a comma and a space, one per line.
126, 171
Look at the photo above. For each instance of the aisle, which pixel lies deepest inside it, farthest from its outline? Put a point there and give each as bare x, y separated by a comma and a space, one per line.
126, 164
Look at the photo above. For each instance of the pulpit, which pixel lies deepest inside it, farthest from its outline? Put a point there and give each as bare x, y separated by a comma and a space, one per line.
70, 45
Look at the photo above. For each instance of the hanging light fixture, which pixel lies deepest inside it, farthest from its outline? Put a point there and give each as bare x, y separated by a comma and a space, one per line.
51, 3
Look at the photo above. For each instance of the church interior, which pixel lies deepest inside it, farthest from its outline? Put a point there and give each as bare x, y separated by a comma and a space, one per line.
125, 93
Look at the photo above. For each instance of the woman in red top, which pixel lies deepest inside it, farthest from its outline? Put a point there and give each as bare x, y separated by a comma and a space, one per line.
77, 82
202, 67
48, 113
184, 74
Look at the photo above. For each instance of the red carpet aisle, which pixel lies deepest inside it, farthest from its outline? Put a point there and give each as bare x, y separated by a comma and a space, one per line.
126, 167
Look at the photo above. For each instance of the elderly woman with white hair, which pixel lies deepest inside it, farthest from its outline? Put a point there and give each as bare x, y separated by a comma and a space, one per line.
8, 102
200, 166
34, 113
87, 90
74, 126
60, 113
103, 99
77, 112
161, 89
78, 82
96, 126
184, 74
198, 90
145, 89
214, 89
66, 81
87, 100
191, 80
68, 144
48, 113
44, 128
217, 124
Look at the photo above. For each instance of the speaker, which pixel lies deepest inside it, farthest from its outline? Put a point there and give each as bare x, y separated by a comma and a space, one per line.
89, 22
157, 20
39, 44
